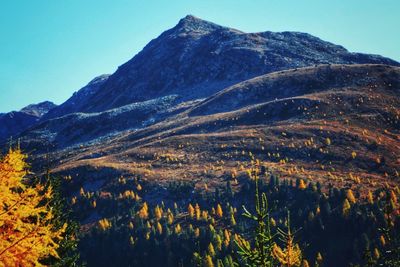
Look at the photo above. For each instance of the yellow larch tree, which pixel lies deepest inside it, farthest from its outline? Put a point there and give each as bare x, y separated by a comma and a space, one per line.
178, 229
350, 196
191, 210
197, 211
305, 264
144, 211
346, 207
219, 211
211, 250
208, 262
105, 224
370, 198
302, 184
233, 220
158, 213
290, 255
27, 232
159, 228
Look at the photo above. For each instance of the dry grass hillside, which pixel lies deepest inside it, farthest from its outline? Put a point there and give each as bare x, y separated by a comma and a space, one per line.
333, 124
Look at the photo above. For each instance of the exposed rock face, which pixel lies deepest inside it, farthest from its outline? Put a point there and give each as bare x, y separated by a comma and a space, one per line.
15, 122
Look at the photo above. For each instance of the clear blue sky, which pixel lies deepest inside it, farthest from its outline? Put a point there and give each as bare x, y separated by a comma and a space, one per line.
49, 49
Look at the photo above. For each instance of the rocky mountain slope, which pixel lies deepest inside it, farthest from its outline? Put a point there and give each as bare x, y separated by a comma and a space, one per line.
200, 98
78, 100
335, 124
15, 122
197, 58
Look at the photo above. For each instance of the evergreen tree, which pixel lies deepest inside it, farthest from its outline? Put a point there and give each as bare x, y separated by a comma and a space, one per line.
291, 255
261, 254
68, 249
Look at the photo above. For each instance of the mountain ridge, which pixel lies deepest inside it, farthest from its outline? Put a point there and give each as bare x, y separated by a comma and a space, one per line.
15, 122
197, 58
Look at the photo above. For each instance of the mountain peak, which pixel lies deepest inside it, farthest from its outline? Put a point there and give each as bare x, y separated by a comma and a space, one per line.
191, 18
38, 110
98, 79
192, 23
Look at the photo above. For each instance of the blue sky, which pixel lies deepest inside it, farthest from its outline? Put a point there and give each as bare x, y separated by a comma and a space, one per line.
49, 49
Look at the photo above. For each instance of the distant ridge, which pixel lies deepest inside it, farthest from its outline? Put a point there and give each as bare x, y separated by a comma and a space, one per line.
15, 122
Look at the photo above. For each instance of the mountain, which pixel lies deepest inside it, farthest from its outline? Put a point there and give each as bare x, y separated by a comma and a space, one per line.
15, 122
197, 58
201, 91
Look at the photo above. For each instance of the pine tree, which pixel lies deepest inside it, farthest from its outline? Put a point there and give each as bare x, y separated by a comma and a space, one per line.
319, 259
197, 260
220, 263
68, 247
261, 254
178, 229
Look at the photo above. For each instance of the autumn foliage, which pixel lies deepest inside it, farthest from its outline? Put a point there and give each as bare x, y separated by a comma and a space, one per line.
27, 233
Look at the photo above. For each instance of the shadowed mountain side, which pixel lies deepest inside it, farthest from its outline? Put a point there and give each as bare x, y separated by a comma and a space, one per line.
78, 128
13, 123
